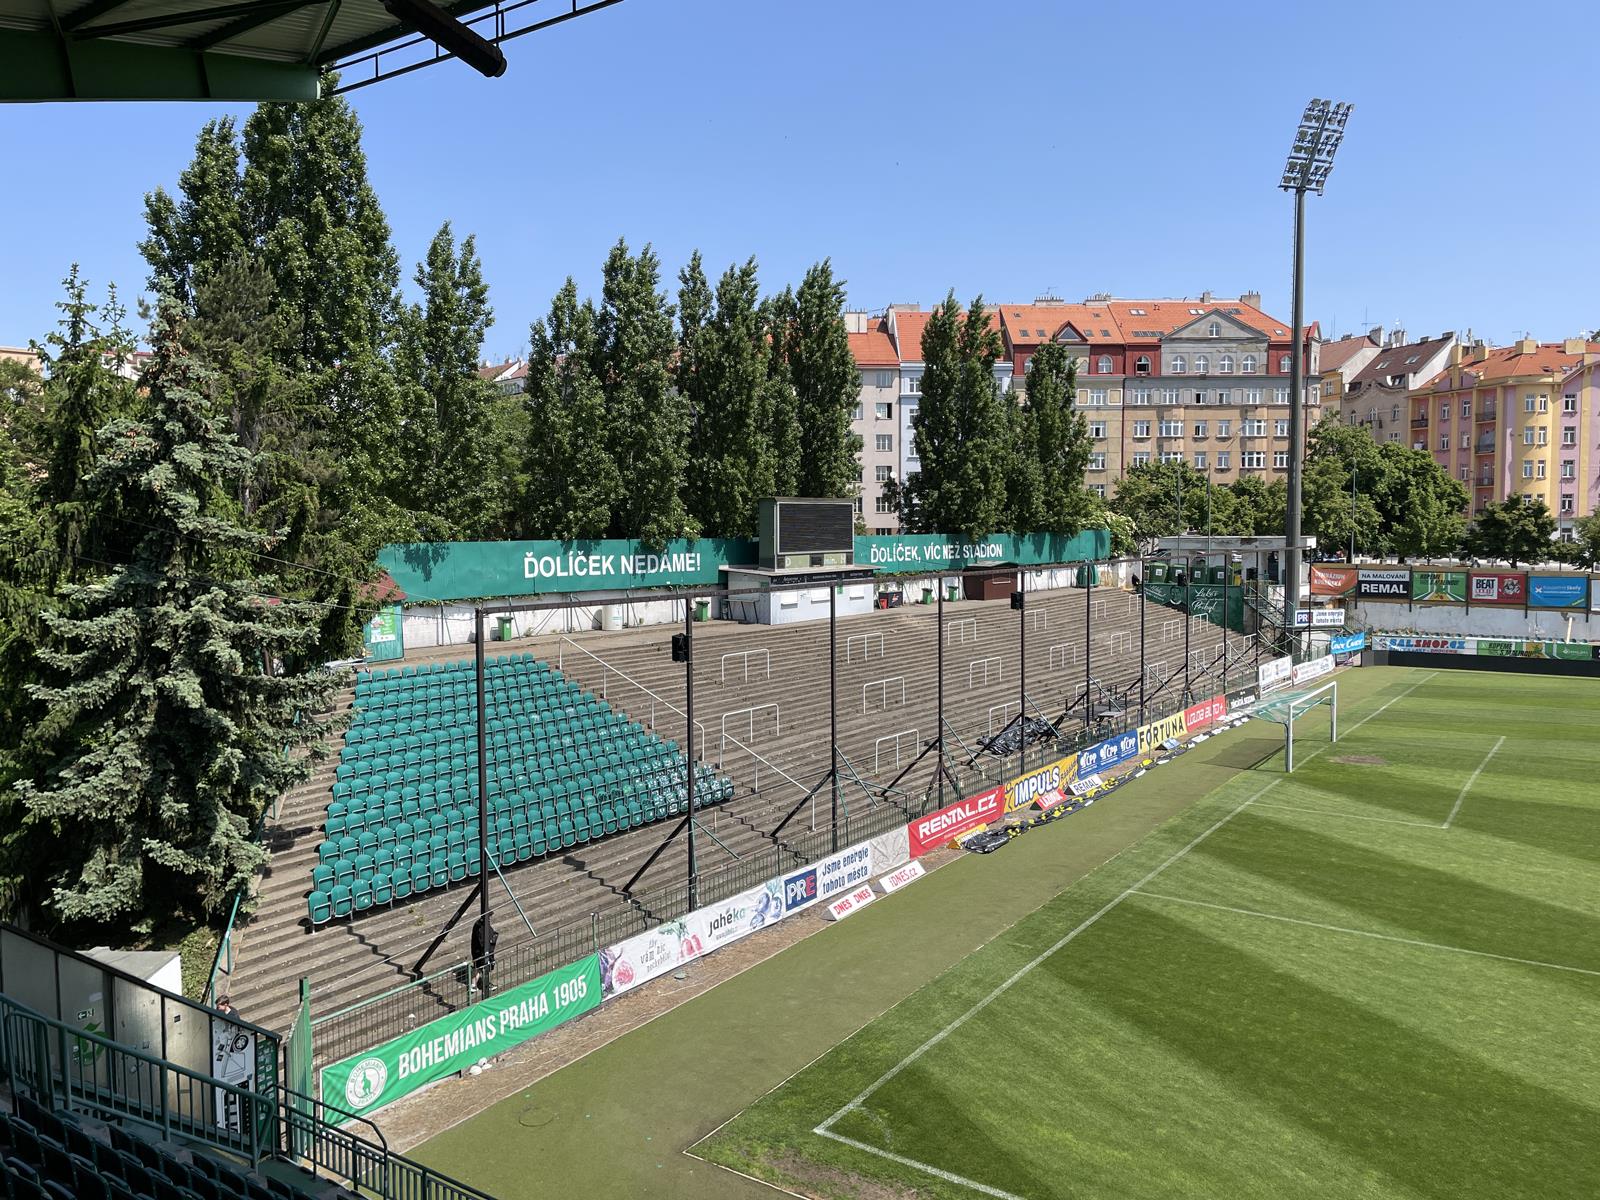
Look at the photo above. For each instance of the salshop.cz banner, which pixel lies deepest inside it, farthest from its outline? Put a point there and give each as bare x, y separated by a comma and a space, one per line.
440, 1048
934, 830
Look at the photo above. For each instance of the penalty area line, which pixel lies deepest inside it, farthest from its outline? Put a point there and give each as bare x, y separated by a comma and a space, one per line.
1472, 779
1368, 933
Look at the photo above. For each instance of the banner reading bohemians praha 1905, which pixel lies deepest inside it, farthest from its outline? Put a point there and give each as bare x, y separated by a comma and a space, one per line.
453, 1043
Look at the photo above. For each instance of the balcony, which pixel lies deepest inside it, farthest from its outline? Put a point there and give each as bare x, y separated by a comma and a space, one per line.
1486, 481
1419, 422
1486, 412
1484, 446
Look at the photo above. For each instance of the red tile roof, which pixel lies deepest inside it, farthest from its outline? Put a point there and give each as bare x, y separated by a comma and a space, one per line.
909, 325
874, 348
1165, 316
1510, 362
1122, 321
1032, 324
1336, 354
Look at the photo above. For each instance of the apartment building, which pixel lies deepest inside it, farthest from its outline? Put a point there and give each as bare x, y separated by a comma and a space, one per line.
876, 418
1377, 395
1523, 418
1204, 381
1342, 360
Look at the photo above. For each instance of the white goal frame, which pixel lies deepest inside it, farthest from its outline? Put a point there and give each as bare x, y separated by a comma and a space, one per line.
1284, 710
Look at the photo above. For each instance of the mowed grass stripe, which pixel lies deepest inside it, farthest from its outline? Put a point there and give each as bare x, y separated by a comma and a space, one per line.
1022, 1100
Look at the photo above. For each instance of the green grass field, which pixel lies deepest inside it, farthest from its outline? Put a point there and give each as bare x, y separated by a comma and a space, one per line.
1379, 977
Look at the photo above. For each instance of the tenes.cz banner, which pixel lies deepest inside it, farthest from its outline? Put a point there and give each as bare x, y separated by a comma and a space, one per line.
364, 1082
1497, 587
1385, 583
1333, 581
1558, 591
934, 830
1274, 674
1439, 587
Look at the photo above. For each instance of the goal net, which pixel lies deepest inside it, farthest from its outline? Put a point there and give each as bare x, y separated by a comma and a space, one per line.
1287, 708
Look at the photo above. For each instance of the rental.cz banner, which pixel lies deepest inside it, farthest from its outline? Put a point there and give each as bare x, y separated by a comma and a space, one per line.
1497, 587
934, 830
1439, 587
451, 1044
1333, 581
1386, 583
1558, 591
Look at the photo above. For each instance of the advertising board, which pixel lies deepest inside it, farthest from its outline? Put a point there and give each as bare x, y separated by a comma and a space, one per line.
1205, 713
1565, 651
1332, 581
1318, 618
1384, 583
1348, 643
889, 850
645, 956
1314, 668
1424, 645
852, 902
453, 1043
736, 917
1156, 732
1106, 754
384, 635
1496, 587
1439, 587
1558, 591
1025, 789
934, 830
1274, 674
901, 876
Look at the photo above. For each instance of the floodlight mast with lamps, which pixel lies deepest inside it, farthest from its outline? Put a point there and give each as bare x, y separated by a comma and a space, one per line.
1310, 159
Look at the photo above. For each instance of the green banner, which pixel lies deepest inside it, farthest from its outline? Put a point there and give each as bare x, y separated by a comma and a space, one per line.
440, 1048
1439, 587
1568, 651
429, 571
921, 552
1208, 599
384, 634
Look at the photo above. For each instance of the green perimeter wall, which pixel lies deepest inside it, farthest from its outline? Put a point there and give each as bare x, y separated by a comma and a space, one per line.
437, 571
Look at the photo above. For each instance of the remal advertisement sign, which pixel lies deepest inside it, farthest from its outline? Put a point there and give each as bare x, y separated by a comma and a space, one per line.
1390, 583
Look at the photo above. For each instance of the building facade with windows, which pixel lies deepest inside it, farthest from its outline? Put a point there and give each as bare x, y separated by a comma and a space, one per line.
1201, 381
1378, 395
875, 419
1519, 419
1342, 360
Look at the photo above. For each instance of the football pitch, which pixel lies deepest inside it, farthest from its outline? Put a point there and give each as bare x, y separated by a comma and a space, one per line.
1377, 977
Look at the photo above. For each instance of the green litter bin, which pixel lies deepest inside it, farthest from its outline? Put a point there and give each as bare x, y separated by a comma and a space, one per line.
702, 610
927, 595
505, 628
953, 592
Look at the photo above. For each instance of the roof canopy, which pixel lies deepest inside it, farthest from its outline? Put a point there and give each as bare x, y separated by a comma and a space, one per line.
250, 50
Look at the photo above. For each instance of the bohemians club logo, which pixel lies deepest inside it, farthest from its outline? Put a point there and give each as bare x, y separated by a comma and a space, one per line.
366, 1082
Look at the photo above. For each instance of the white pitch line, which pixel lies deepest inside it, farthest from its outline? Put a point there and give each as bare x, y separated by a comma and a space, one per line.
1472, 779
1324, 812
826, 1128
1367, 933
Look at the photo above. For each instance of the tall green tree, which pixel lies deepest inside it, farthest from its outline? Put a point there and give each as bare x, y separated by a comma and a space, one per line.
447, 467
573, 485
960, 426
722, 374
808, 324
203, 227
1586, 542
1060, 440
1516, 529
1162, 499
175, 682
647, 420
1426, 507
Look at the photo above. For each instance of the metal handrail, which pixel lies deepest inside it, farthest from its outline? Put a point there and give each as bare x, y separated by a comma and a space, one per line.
655, 699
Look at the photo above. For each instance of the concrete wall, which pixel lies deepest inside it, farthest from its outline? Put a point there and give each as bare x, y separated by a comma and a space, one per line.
1479, 621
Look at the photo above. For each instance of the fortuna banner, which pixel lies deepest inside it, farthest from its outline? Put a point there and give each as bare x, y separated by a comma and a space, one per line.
382, 1075
934, 830
1153, 734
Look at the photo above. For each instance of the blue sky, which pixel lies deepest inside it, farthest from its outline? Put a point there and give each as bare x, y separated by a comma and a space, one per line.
997, 147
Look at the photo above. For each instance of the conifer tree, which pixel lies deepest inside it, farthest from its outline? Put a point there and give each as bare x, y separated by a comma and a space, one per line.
646, 419
573, 487
1060, 439
175, 683
825, 380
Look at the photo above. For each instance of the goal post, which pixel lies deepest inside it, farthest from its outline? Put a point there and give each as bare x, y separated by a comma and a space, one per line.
1290, 706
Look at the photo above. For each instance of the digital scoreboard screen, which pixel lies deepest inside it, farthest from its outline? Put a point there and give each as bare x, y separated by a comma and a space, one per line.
814, 527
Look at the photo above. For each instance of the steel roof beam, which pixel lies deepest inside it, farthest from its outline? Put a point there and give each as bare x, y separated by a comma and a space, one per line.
244, 24
89, 12
197, 16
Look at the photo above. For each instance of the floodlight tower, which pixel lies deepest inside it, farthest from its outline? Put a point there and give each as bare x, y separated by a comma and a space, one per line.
1310, 160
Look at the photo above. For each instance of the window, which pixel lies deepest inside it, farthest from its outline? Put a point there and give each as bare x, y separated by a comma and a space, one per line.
1444, 442
1178, 366
1171, 456
883, 443
1284, 364
1225, 364
1224, 396
1540, 473
1141, 429
1097, 430
1097, 397
1569, 404
855, 413
884, 410
1255, 428
1141, 365
1224, 429
1097, 461
1199, 397
1248, 365
1444, 411
1099, 489
1569, 469
1527, 470
1253, 460
1172, 429
1566, 506
1170, 396
1465, 439
1202, 364
1466, 474
1140, 395
1527, 436
883, 504
1542, 437
912, 384
857, 503
1141, 457
1527, 402
1214, 330
1466, 409
1544, 403
1569, 437
883, 474
1200, 429
1103, 365
1200, 460
1252, 395
1280, 428
1280, 459
885, 379
1281, 396
1224, 460
911, 445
